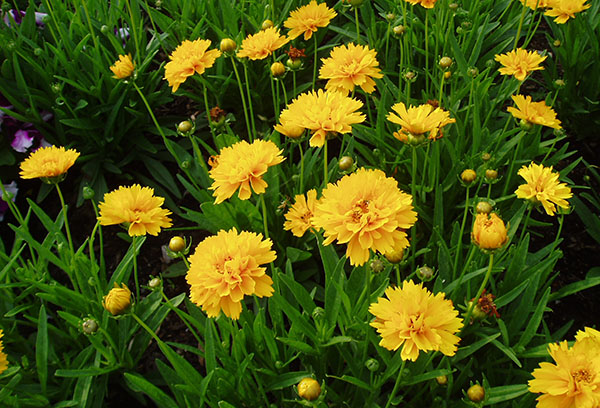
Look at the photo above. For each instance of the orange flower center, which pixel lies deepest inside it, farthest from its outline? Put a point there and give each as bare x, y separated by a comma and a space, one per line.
582, 376
360, 209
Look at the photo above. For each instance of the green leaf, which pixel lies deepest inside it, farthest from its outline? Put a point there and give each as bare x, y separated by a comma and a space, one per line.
298, 345
299, 292
84, 372
286, 380
138, 383
505, 393
465, 352
508, 351
41, 348
534, 321
578, 286
353, 381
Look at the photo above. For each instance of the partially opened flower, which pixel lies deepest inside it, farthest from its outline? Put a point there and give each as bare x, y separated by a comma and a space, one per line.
563, 10
537, 113
3, 359
542, 187
307, 19
350, 66
242, 167
367, 211
123, 67
520, 63
137, 208
118, 299
489, 232
48, 163
188, 58
226, 267
262, 44
299, 216
417, 320
419, 122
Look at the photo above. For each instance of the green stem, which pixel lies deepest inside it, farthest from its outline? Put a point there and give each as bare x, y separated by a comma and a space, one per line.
101, 239
460, 236
396, 384
134, 33
239, 81
512, 164
525, 223
294, 83
357, 25
325, 172
464, 269
426, 52
180, 315
89, 21
520, 26
285, 98
314, 65
135, 269
64, 207
208, 121
301, 168
413, 190
145, 326
249, 101
479, 292
264, 211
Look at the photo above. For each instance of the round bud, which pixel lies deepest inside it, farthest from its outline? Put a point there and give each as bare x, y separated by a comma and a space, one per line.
390, 16
372, 364
104, 29
266, 24
376, 265
473, 72
490, 63
56, 87
38, 52
309, 389
476, 393
468, 176
425, 273
453, 6
395, 256
318, 313
185, 164
88, 193
177, 244
279, 364
184, 126
525, 125
442, 380
459, 30
556, 43
294, 64
154, 283
559, 83
89, 326
277, 69
485, 156
466, 25
445, 62
399, 30
447, 74
346, 163
491, 174
227, 45
483, 207
158, 3
410, 76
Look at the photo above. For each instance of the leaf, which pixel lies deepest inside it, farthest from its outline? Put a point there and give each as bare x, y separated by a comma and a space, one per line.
578, 286
534, 321
465, 352
41, 348
353, 381
505, 393
138, 383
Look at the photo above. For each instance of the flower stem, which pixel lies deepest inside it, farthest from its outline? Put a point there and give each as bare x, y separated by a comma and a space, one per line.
460, 236
357, 25
135, 269
520, 26
427, 52
512, 163
264, 211
134, 32
413, 190
314, 65
249, 101
525, 223
101, 239
212, 131
145, 326
464, 269
239, 81
396, 384
64, 207
180, 314
301, 168
479, 292
325, 173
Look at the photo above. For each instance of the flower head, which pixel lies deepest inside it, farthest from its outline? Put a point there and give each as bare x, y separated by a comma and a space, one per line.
118, 299
417, 320
536, 4
543, 187
489, 231
562, 10
307, 19
188, 58
299, 217
48, 162
323, 113
350, 66
226, 267
309, 389
3, 359
534, 112
418, 121
137, 208
429, 4
519, 63
367, 211
123, 68
242, 166
262, 44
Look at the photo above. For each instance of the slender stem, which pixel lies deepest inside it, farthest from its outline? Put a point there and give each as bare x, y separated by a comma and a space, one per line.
264, 211
145, 326
525, 223
208, 121
64, 207
13, 208
249, 101
185, 261
101, 239
426, 52
135, 269
520, 26
512, 164
413, 190
294, 83
396, 384
441, 90
387, 39
325, 172
275, 96
357, 25
464, 269
314, 65
301, 168
285, 98
460, 236
198, 154
239, 81
560, 226
479, 292
134, 32
180, 315
93, 260
89, 21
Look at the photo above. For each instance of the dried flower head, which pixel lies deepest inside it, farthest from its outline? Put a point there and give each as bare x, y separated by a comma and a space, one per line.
296, 53
534, 112
262, 44
519, 63
308, 18
188, 58
118, 299
299, 216
48, 163
423, 120
124, 67
543, 187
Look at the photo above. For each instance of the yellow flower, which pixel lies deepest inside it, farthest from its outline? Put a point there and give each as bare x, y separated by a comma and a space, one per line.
48, 162
590, 333
137, 208
188, 58
489, 231
425, 3
118, 299
534, 112
299, 216
262, 44
565, 9
416, 121
124, 67
350, 66
3, 359
226, 267
533, 4
417, 320
543, 187
573, 380
321, 112
367, 211
309, 389
307, 19
519, 63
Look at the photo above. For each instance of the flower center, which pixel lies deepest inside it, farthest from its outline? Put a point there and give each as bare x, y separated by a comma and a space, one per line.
582, 376
360, 208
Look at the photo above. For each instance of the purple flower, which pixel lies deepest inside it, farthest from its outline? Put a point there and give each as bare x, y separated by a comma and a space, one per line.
10, 189
18, 15
23, 140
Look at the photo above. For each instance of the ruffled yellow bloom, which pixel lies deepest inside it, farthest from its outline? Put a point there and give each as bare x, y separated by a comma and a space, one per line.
299, 216
3, 359
519, 63
429, 4
137, 208
573, 381
350, 66
226, 267
489, 231
48, 162
590, 333
532, 4
188, 58
308, 19
367, 211
562, 10
417, 320
124, 67
321, 112
242, 166
262, 44
543, 187
118, 300
534, 112
417, 121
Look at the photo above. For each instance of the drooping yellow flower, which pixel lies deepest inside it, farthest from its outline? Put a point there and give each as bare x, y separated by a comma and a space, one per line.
322, 112
534, 112
242, 166
350, 66
543, 187
533, 4
226, 267
519, 63
118, 299
299, 216
308, 19
262, 44
489, 232
367, 211
562, 10
573, 380
429, 4
188, 58
48, 162
124, 67
137, 208
3, 359
419, 122
417, 320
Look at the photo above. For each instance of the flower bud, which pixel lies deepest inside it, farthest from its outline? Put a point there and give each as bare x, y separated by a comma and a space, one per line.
279, 364
118, 299
318, 314
89, 326
185, 164
468, 176
410, 76
390, 16
445, 62
346, 163
489, 232
104, 29
491, 174
485, 156
309, 389
184, 126
376, 265
525, 125
559, 83
372, 364
453, 6
154, 283
277, 69
473, 72
556, 43
158, 3
394, 256
442, 380
266, 24
425, 273
38, 51
294, 64
177, 244
477, 313
88, 193
447, 74
483, 207
399, 30
476, 393
227, 45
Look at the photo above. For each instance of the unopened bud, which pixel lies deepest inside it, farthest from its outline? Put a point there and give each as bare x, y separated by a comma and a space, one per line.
277, 69
525, 125
318, 314
390, 16
346, 163
228, 45
376, 265
468, 176
294, 64
485, 156
559, 83
89, 326
491, 174
185, 164
445, 62
425, 273
309, 389
442, 380
154, 283
372, 364
453, 6
177, 244
399, 30
483, 207
395, 256
104, 29
88, 193
476, 393
556, 43
473, 72
266, 24
184, 126
410, 76
447, 74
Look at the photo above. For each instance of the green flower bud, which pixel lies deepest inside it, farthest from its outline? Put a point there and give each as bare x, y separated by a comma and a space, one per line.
88, 193
372, 364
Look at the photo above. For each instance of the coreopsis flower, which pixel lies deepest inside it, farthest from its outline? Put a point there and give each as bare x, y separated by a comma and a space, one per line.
489, 232
588, 332
3, 359
419, 122
309, 389
321, 112
562, 10
573, 380
350, 66
137, 208
536, 4
242, 166
367, 211
534, 112
48, 163
299, 216
308, 19
542, 187
262, 44
123, 67
429, 4
519, 63
188, 58
417, 320
226, 267
118, 300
